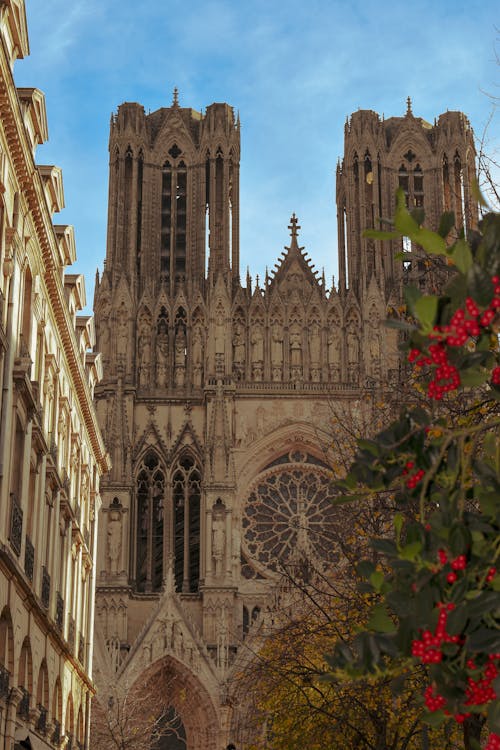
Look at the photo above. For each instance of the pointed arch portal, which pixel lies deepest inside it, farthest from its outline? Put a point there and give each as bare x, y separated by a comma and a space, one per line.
189, 713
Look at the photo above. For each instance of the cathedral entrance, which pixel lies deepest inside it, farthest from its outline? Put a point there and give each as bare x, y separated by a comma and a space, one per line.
189, 720
175, 734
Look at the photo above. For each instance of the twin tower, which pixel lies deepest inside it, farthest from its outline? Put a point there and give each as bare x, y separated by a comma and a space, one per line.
215, 401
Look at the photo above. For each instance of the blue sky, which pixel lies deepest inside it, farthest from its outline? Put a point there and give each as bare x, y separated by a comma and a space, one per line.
294, 70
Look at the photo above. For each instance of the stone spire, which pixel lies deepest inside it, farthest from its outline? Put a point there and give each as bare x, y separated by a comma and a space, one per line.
175, 97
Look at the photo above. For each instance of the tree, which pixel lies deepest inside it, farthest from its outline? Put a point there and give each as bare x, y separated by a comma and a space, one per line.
133, 716
438, 585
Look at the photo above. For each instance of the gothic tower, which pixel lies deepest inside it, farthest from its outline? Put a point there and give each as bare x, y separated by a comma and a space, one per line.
433, 164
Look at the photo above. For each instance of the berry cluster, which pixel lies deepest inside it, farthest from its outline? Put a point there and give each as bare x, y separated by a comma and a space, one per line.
481, 690
464, 324
493, 742
414, 478
446, 376
428, 648
433, 702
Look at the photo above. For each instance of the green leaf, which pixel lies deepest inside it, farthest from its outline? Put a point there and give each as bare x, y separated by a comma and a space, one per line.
426, 310
411, 551
484, 639
412, 294
377, 579
433, 718
380, 621
378, 234
446, 223
479, 285
494, 716
432, 242
474, 376
462, 256
365, 568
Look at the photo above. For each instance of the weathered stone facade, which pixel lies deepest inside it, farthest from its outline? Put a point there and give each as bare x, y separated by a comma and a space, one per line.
213, 402
51, 449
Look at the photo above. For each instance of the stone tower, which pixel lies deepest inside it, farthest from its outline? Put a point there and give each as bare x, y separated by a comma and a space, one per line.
433, 164
214, 392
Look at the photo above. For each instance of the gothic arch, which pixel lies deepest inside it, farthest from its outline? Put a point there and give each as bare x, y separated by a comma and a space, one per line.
42, 690
25, 674
189, 698
150, 504
186, 477
57, 702
6, 641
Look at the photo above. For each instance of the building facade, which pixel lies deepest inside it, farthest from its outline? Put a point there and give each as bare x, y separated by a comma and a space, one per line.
215, 391
51, 448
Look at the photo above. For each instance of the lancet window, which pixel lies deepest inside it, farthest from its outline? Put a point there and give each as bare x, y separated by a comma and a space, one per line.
186, 495
150, 521
168, 529
173, 218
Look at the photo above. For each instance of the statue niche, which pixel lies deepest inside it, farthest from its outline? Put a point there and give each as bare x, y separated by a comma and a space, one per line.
239, 347
162, 349
180, 348
277, 350
144, 349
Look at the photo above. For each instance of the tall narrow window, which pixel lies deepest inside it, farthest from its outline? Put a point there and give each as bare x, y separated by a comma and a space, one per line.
186, 498
150, 514
140, 171
166, 221
174, 208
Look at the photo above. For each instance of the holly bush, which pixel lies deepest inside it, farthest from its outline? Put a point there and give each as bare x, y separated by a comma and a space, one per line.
437, 572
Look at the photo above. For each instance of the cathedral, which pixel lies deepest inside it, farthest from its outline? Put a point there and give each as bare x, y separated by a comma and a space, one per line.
213, 402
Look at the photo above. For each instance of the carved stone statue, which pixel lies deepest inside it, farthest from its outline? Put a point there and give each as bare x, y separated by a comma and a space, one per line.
276, 345
218, 542
220, 330
257, 342
114, 539
161, 360
239, 345
144, 346
197, 355
122, 336
333, 355
314, 344
352, 342
295, 351
180, 356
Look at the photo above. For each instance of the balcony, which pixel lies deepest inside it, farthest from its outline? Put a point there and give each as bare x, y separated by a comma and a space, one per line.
23, 708
71, 635
16, 525
56, 734
4, 682
81, 650
59, 612
45, 588
29, 559
41, 724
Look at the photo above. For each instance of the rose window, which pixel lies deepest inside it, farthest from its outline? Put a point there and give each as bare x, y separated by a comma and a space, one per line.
289, 514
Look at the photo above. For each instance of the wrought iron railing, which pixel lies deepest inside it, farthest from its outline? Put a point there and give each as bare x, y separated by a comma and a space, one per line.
41, 724
71, 634
56, 734
23, 708
4, 682
59, 611
29, 558
16, 524
81, 649
45, 587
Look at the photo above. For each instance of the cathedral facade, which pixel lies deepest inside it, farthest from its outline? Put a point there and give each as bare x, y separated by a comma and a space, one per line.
214, 398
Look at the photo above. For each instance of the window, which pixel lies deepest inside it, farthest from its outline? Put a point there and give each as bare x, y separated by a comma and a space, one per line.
168, 531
